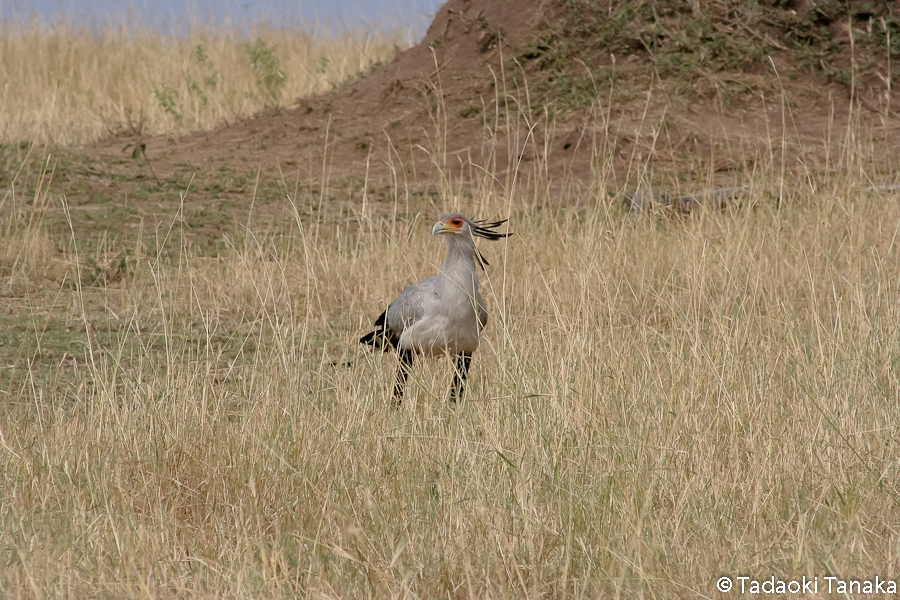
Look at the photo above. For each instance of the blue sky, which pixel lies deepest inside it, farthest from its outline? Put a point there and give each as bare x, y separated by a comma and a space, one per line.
172, 14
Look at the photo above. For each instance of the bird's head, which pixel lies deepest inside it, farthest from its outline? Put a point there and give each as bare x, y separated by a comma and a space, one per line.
461, 229
458, 225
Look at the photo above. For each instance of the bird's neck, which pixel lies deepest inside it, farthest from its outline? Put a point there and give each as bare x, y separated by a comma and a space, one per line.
459, 267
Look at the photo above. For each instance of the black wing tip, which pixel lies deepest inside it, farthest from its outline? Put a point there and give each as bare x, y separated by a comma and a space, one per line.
381, 338
485, 229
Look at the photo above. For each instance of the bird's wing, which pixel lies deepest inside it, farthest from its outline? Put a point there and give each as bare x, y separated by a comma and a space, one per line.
409, 306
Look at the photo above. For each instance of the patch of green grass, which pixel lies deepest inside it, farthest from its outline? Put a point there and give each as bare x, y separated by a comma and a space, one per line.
11, 158
469, 110
39, 337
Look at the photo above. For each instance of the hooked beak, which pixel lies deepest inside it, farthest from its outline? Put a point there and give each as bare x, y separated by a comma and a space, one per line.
439, 228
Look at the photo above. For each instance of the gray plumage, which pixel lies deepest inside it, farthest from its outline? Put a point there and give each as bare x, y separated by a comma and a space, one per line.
445, 313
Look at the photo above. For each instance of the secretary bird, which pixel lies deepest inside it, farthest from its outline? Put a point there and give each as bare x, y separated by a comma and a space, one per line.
443, 314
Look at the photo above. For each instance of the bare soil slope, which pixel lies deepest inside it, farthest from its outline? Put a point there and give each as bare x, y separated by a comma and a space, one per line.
392, 111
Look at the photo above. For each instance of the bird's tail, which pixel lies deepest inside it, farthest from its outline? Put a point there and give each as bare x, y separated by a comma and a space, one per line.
382, 338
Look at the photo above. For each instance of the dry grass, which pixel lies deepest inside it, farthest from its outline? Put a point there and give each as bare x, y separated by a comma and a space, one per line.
65, 85
657, 402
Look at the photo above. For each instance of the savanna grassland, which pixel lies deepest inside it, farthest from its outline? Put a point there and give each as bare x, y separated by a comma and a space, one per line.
659, 399
69, 85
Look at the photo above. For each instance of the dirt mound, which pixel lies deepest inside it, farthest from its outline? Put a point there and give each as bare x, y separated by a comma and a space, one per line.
692, 92
393, 110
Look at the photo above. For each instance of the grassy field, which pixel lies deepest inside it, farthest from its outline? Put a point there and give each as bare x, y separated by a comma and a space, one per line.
658, 401
65, 85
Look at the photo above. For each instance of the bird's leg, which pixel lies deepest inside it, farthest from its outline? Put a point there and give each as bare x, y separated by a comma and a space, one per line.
406, 361
459, 377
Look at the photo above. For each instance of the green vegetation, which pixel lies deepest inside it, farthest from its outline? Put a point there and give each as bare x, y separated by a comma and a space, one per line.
687, 41
267, 69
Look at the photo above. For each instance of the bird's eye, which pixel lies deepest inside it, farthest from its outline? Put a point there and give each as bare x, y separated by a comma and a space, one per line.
457, 222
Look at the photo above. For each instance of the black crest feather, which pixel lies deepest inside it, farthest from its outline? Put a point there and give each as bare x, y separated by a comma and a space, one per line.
484, 229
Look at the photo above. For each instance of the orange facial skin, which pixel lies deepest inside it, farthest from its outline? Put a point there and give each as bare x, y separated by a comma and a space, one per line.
449, 224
